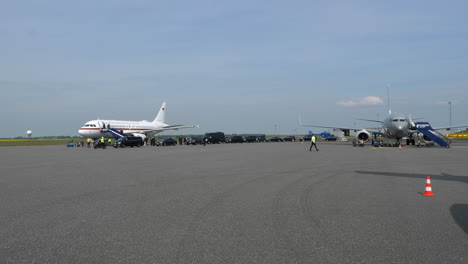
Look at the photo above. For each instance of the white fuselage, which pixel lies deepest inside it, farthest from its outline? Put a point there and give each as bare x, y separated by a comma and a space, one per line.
396, 126
92, 129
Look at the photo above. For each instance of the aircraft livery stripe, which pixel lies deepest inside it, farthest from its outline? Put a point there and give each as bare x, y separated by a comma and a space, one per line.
98, 129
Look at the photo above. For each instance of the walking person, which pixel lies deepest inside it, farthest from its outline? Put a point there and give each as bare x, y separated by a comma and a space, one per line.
313, 139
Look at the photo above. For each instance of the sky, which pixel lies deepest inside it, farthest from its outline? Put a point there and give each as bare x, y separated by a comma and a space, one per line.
232, 66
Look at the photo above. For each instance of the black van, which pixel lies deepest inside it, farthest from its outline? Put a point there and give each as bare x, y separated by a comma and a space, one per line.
128, 141
215, 137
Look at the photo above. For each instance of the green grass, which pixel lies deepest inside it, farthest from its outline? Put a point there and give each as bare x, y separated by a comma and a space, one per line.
37, 142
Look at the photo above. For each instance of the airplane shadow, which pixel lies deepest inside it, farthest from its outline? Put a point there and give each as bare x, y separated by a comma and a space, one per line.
442, 176
459, 212
460, 215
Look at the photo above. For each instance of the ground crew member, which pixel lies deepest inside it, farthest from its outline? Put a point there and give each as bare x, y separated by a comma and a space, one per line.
89, 142
103, 142
109, 141
313, 139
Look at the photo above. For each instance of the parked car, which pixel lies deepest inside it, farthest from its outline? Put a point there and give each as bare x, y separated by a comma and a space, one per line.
194, 140
236, 139
128, 141
71, 144
306, 138
215, 137
166, 142
275, 139
261, 138
289, 138
250, 139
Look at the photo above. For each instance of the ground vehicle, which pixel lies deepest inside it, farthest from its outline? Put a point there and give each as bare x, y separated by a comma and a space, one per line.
275, 139
71, 144
330, 138
289, 138
99, 144
261, 138
128, 141
194, 140
236, 139
166, 142
250, 139
215, 137
306, 138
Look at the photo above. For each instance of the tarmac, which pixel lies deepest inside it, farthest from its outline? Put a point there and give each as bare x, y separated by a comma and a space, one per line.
234, 203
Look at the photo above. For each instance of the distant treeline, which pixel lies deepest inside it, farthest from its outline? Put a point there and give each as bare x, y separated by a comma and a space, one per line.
46, 137
157, 136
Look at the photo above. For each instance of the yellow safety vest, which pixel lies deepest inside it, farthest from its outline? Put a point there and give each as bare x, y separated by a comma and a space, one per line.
102, 140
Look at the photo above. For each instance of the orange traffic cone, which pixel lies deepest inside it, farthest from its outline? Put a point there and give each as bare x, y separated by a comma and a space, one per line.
428, 190
399, 146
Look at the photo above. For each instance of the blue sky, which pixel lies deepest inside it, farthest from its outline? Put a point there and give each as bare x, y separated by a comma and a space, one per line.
232, 66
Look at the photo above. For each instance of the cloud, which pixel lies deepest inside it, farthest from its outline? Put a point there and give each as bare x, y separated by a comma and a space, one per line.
368, 100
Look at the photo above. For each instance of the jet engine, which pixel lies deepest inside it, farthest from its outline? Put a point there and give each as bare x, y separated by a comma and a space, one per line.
143, 136
363, 135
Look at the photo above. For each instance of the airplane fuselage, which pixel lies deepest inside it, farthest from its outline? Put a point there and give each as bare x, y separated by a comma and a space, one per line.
396, 126
92, 129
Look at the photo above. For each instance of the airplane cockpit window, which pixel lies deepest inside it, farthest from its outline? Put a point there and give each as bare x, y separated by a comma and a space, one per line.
402, 120
395, 120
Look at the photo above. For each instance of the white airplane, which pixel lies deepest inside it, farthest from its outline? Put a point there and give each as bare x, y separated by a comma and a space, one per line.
94, 128
398, 127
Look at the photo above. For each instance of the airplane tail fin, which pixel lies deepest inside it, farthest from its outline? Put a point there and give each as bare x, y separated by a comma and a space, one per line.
388, 98
160, 118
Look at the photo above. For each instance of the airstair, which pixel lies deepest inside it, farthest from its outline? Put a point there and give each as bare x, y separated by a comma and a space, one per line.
426, 129
115, 133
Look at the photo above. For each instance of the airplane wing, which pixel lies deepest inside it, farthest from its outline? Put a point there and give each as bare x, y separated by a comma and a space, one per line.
370, 130
172, 127
175, 127
370, 120
448, 128
347, 128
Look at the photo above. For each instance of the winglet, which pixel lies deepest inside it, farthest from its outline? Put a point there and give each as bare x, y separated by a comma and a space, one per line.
388, 98
299, 119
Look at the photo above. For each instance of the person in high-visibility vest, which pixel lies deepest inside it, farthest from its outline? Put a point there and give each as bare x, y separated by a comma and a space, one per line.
313, 139
109, 141
103, 141
89, 142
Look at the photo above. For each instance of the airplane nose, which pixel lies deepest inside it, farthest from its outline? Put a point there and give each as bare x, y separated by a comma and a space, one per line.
399, 133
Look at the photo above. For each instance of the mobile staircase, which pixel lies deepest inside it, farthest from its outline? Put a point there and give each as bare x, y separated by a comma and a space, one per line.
115, 133
426, 129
